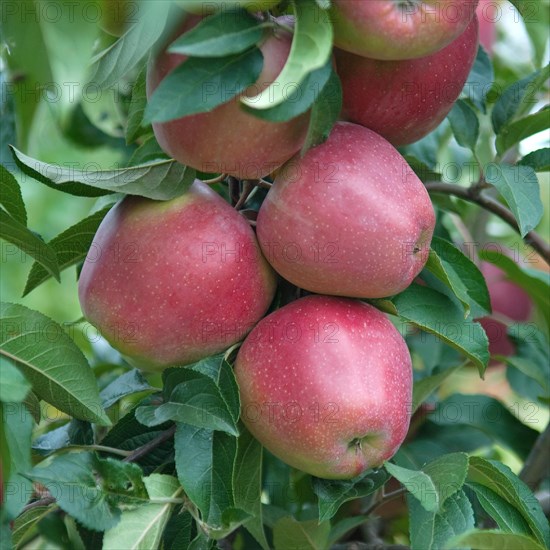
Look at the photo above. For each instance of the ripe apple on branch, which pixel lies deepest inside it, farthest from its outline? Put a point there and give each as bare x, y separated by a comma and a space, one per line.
280, 258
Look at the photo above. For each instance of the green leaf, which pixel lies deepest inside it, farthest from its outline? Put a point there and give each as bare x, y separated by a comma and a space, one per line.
50, 360
518, 98
298, 97
431, 531
200, 85
74, 432
345, 526
197, 401
142, 528
465, 124
14, 387
333, 493
538, 160
436, 482
289, 534
148, 151
531, 360
424, 387
90, 489
310, 50
522, 129
136, 108
16, 426
534, 282
488, 415
247, 483
506, 516
461, 275
422, 170
130, 48
178, 531
433, 312
520, 188
25, 525
128, 434
480, 80
70, 248
493, 540
161, 180
499, 478
23, 238
204, 462
11, 199
29, 56
324, 113
128, 383
214, 37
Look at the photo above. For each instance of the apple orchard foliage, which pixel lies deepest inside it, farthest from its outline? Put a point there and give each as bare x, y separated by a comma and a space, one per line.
98, 454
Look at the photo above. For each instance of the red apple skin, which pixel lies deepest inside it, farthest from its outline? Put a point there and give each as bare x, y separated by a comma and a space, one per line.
326, 385
405, 100
507, 300
168, 283
350, 218
228, 139
383, 29
488, 13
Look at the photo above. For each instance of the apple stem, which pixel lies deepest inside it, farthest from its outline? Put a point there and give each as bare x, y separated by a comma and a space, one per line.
475, 195
248, 187
234, 190
217, 179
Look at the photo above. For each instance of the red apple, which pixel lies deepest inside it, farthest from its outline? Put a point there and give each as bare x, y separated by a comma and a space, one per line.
488, 13
228, 139
350, 218
326, 385
168, 283
386, 29
405, 100
509, 301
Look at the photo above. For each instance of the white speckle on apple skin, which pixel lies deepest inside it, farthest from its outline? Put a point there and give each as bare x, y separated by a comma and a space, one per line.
306, 394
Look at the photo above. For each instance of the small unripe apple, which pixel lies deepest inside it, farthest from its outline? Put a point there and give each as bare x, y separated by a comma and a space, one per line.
203, 7
326, 386
393, 30
228, 139
405, 100
171, 282
349, 218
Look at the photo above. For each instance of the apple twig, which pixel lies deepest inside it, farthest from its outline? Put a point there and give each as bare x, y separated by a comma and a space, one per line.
136, 454
536, 466
475, 195
385, 497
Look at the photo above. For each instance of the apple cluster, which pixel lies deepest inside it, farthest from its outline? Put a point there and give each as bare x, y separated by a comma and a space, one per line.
326, 379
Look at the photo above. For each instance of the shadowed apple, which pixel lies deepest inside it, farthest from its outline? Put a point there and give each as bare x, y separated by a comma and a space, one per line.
393, 30
508, 301
228, 139
405, 100
326, 385
168, 283
350, 218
